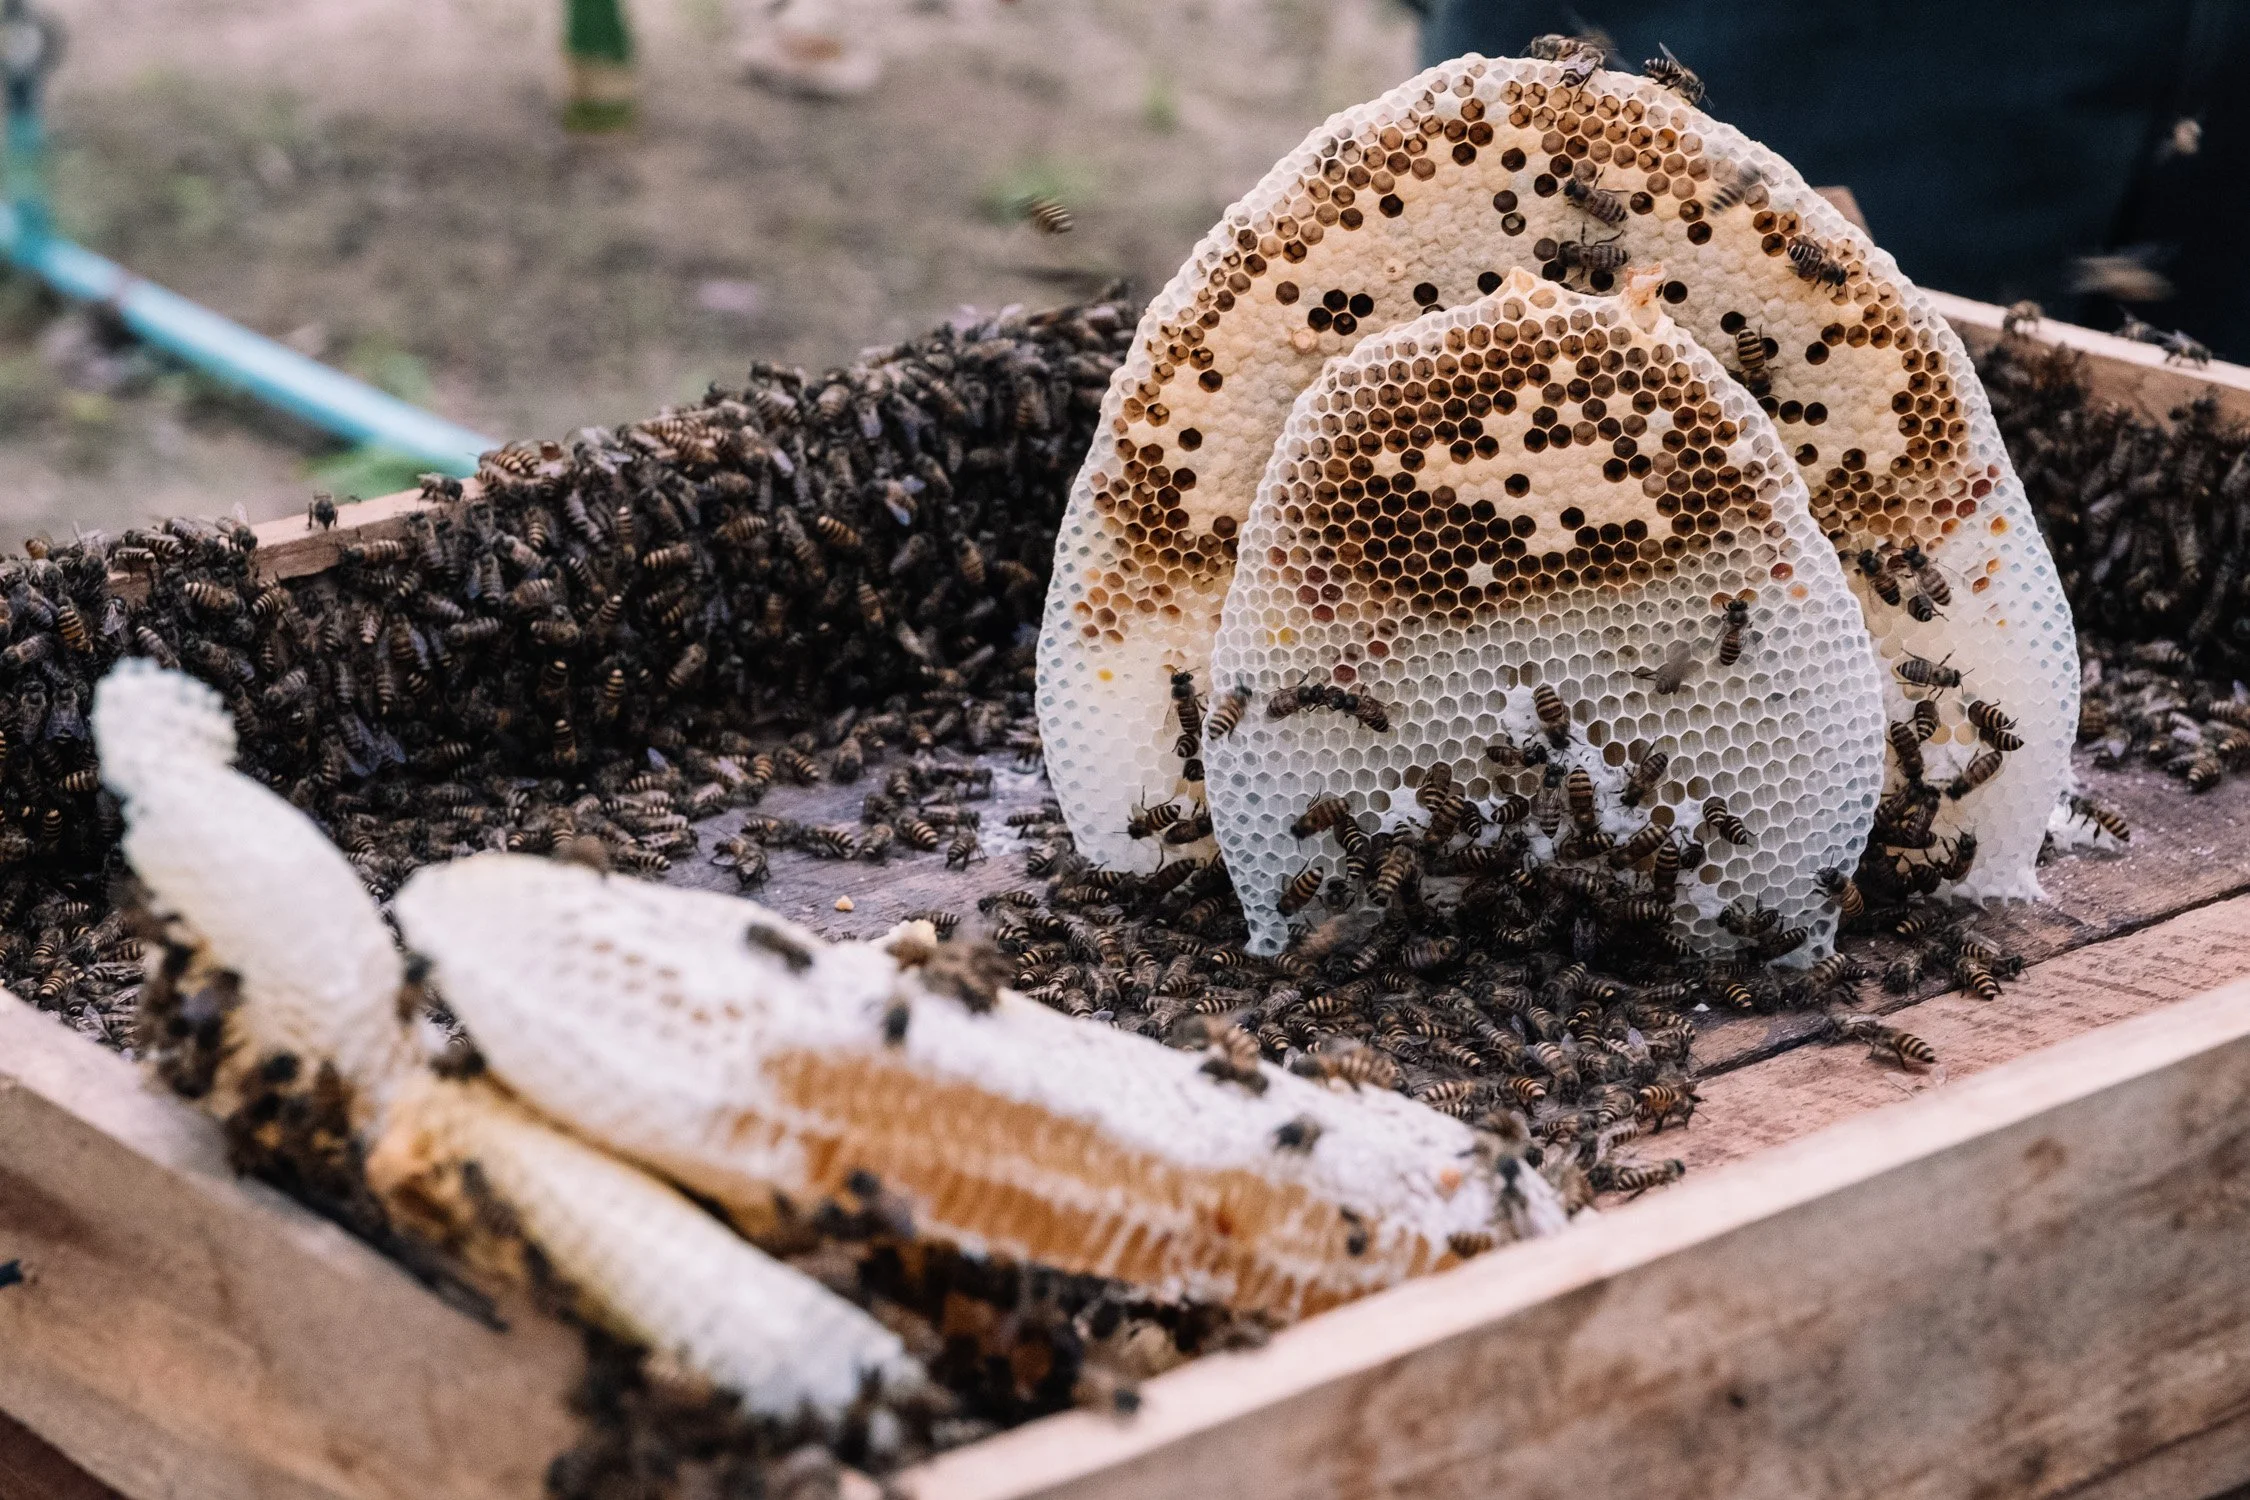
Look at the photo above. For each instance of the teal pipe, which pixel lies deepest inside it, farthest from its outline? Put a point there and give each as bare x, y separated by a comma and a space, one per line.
272, 372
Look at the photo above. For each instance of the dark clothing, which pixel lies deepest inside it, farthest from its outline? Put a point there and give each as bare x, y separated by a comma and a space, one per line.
1990, 142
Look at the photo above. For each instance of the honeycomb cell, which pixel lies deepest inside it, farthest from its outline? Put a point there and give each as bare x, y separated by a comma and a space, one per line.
1803, 783
1740, 235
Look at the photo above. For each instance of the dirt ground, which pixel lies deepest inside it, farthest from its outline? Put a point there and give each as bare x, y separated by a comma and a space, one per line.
386, 186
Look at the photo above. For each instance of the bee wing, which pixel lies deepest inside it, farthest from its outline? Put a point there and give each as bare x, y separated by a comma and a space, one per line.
641, 1018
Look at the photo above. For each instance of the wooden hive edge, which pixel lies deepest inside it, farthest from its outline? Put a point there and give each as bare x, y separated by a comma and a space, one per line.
184, 1333
2014, 1286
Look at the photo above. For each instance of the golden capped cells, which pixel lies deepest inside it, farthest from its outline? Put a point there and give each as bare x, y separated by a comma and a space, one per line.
1515, 578
1424, 200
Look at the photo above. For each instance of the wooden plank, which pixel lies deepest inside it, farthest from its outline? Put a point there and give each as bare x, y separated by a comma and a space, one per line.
1787, 1097
2186, 850
33, 1469
2210, 1465
184, 1334
2116, 369
2008, 1287
292, 547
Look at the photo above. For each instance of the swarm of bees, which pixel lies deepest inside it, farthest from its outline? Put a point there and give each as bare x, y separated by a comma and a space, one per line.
605, 644
2148, 522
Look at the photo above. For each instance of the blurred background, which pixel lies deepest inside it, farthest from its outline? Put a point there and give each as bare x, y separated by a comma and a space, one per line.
387, 185
521, 217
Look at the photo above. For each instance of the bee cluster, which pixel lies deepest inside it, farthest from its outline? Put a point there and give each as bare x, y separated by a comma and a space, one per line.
2148, 522
1003, 1342
1532, 1000
606, 641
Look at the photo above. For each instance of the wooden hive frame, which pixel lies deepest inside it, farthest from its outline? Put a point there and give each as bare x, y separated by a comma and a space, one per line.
2032, 1280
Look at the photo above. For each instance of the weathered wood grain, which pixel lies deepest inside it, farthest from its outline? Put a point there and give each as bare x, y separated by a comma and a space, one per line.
292, 547
2186, 850
2010, 1287
33, 1469
2116, 369
186, 1335
1800, 1091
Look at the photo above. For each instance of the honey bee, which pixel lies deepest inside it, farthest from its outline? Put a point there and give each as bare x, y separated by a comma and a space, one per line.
1909, 1050
1595, 202
1443, 800
1732, 627
1577, 56
1844, 891
1144, 821
1814, 261
1975, 774
1994, 727
1195, 826
1664, 870
1635, 1179
1187, 706
1647, 774
1352, 1063
1961, 858
1302, 887
1554, 715
1927, 576
1750, 362
1046, 214
1670, 73
1293, 700
1921, 608
1671, 674
966, 846
1925, 719
1724, 823
1833, 971
1904, 976
1921, 672
1227, 712
1299, 1134
2103, 818
1578, 792
1392, 875
1741, 184
321, 513
1977, 978
1640, 846
1323, 812
1747, 919
1906, 745
1878, 576
1547, 807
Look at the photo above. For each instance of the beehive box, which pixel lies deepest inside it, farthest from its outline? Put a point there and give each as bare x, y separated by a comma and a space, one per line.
2030, 1281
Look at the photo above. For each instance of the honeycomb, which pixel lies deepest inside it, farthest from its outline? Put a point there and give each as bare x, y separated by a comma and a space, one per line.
1425, 199
251, 887
243, 875
657, 1267
748, 1060
1586, 545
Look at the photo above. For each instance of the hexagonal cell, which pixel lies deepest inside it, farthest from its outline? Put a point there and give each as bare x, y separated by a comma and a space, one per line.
1421, 685
1868, 388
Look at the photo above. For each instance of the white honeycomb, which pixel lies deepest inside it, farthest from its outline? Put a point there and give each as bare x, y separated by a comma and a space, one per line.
251, 879
255, 889
653, 1265
743, 1057
1425, 198
1449, 583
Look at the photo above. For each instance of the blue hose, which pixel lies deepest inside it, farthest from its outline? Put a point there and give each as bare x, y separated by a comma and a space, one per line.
272, 372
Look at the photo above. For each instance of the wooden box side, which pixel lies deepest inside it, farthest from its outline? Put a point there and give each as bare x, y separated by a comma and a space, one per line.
186, 1334
2015, 1286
